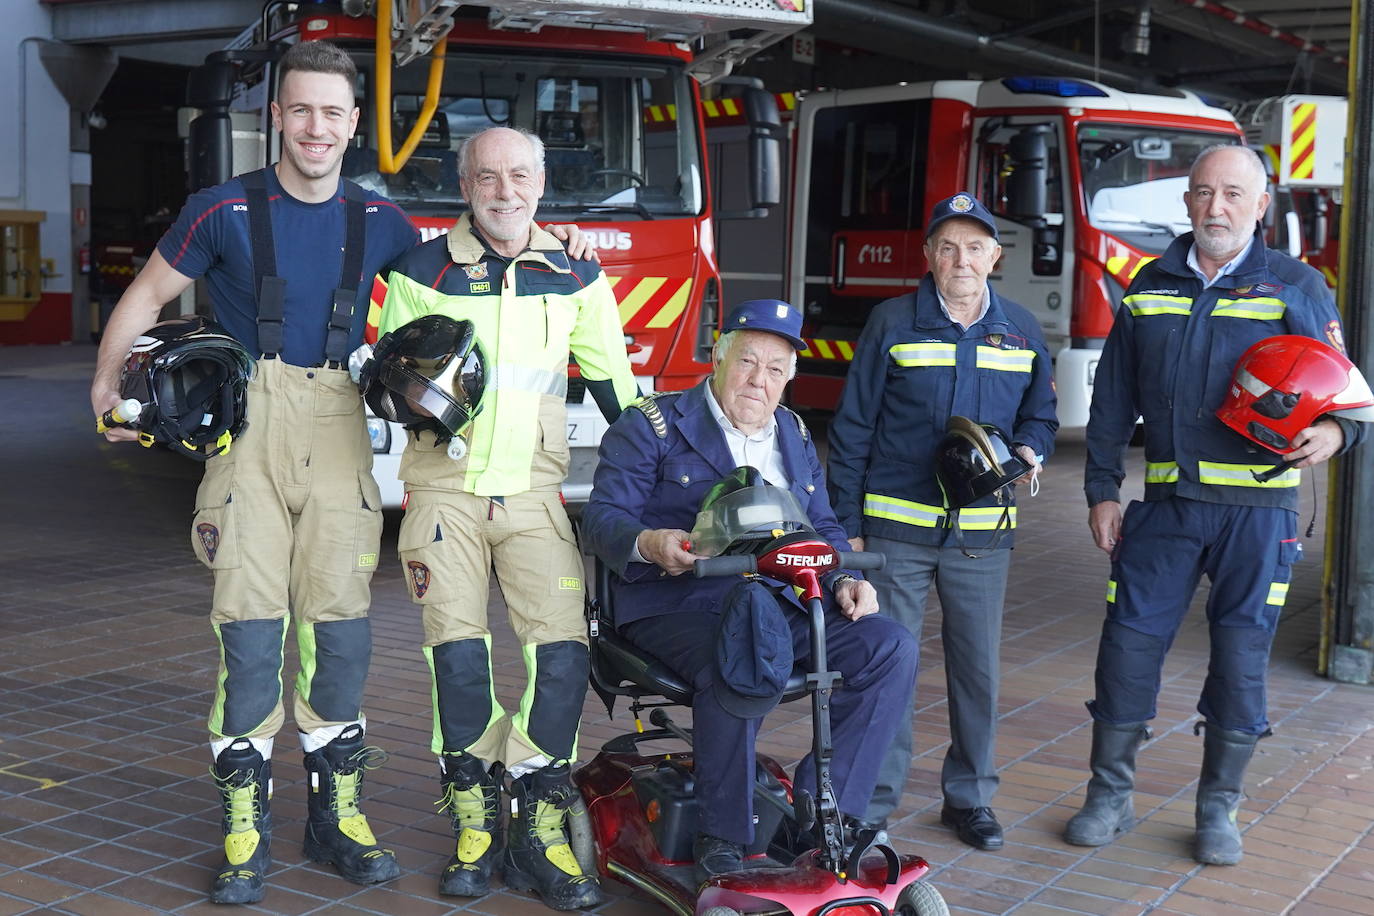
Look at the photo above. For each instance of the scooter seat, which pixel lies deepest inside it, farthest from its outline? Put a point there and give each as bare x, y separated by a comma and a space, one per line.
621, 661
620, 668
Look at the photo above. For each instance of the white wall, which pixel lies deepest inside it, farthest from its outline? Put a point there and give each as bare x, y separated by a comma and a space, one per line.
35, 136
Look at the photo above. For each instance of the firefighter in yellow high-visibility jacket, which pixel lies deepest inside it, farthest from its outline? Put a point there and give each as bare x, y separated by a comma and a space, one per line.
499, 505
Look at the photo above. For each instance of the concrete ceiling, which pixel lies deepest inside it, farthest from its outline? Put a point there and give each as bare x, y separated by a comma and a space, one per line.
1238, 50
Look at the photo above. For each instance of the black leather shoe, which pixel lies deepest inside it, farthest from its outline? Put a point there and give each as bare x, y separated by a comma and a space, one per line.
977, 827
715, 856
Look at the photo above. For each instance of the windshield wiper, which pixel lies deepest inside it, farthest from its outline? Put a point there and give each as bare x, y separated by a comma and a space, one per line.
635, 207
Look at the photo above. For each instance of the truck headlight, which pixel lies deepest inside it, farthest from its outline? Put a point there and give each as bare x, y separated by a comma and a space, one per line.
1092, 372
379, 434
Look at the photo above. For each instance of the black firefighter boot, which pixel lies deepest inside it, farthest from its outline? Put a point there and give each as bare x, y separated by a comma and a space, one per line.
336, 832
244, 779
1108, 808
538, 855
473, 799
1225, 754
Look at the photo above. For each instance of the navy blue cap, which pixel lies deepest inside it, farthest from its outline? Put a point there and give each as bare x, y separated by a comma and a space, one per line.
963, 205
771, 315
753, 651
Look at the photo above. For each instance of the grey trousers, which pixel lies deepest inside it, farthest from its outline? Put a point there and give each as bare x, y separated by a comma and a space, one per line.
971, 594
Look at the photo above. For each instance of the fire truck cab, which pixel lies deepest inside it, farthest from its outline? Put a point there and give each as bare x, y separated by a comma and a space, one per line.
1086, 183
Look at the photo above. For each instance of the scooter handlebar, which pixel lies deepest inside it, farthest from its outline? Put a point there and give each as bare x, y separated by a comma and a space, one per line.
724, 566
863, 560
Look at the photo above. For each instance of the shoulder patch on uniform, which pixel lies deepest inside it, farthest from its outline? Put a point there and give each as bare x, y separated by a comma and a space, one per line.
648, 405
801, 424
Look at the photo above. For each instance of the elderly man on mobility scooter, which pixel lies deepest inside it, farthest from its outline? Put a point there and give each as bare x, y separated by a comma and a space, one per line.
658, 461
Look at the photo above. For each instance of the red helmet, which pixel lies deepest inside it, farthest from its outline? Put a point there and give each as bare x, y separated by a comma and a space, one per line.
1284, 384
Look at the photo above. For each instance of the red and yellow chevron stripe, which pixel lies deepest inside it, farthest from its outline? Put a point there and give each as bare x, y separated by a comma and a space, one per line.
1302, 141
1124, 267
374, 308
832, 350
651, 302
1271, 151
717, 112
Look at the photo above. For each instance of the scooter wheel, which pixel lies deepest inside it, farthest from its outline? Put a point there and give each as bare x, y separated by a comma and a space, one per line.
921, 899
719, 911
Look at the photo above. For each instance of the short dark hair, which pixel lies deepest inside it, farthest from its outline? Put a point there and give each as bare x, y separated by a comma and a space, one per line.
318, 57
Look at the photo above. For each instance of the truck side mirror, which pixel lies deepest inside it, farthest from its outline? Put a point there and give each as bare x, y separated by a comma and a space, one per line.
765, 149
1027, 189
210, 141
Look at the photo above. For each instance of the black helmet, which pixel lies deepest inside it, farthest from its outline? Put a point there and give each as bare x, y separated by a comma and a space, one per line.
742, 509
974, 461
427, 374
192, 379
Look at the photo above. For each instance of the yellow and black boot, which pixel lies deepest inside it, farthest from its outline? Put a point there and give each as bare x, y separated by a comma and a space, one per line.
538, 855
244, 780
472, 797
336, 832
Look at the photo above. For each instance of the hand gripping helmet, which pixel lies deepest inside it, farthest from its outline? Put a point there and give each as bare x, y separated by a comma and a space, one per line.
741, 510
973, 461
429, 374
192, 379
1284, 384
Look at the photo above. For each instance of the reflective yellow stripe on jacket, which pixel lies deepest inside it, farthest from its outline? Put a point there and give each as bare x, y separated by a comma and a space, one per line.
1005, 360
923, 515
1243, 475
1145, 304
926, 353
903, 510
1260, 308
1278, 593
1161, 472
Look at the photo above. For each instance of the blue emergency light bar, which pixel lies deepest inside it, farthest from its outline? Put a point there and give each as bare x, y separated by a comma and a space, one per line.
1049, 85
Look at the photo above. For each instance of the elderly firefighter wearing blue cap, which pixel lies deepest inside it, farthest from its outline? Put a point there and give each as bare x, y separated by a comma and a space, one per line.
948, 402
658, 462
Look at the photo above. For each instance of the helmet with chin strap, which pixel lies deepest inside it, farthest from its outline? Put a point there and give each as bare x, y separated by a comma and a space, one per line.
972, 462
191, 378
1284, 384
428, 374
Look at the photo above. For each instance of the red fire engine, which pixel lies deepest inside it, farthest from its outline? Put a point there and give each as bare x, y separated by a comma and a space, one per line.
614, 90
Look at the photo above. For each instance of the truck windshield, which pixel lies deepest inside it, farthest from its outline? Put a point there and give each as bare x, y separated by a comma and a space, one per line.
620, 139
1134, 178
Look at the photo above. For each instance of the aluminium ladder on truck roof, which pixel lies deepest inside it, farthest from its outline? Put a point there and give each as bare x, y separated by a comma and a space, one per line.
722, 32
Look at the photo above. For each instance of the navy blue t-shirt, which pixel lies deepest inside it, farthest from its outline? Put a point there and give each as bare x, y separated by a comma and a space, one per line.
210, 239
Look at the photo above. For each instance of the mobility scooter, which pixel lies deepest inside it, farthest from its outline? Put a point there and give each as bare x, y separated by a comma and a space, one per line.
641, 813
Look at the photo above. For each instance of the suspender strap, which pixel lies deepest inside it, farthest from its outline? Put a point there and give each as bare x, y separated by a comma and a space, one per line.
270, 288
346, 296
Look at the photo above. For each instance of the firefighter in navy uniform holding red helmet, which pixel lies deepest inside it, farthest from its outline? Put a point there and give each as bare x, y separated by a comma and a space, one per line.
1183, 325
953, 348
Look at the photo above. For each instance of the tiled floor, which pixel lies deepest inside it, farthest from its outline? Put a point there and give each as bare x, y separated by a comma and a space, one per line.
106, 666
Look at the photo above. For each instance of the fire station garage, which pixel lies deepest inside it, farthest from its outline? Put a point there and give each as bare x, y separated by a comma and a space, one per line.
712, 152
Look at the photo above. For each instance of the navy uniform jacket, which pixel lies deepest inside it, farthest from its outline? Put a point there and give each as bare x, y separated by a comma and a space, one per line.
644, 481
1170, 358
913, 369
